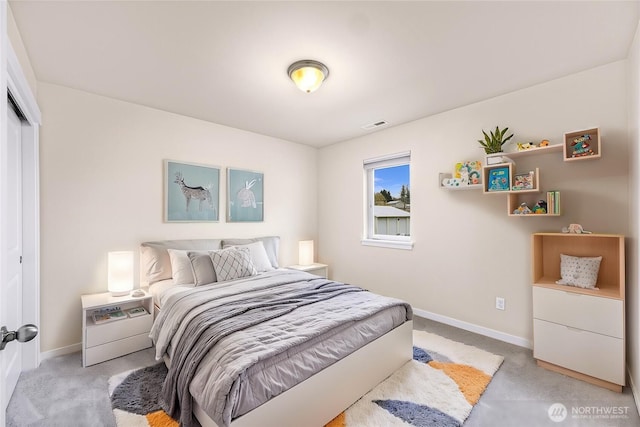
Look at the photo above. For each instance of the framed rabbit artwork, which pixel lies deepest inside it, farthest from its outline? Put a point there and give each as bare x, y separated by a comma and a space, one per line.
245, 196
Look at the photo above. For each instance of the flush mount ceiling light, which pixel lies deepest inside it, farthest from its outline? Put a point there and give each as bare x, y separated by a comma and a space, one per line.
307, 74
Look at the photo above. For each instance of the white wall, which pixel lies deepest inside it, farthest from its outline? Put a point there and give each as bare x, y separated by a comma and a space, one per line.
633, 243
102, 190
20, 50
467, 251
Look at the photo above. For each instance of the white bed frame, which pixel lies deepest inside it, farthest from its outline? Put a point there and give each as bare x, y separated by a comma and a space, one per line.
322, 397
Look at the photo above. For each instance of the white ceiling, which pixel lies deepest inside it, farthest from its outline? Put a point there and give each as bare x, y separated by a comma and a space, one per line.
226, 62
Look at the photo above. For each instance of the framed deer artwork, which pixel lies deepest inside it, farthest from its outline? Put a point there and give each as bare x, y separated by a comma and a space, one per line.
245, 195
191, 192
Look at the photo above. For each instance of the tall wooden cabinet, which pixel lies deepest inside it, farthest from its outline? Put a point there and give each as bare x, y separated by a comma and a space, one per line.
580, 332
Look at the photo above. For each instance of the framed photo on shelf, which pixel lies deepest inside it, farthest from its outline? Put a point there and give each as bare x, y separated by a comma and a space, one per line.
499, 179
245, 196
523, 181
191, 192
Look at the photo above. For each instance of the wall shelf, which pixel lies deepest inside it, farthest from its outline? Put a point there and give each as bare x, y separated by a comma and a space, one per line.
499, 178
529, 152
582, 145
444, 175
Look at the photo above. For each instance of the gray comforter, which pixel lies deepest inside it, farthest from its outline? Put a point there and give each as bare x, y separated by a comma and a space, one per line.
217, 334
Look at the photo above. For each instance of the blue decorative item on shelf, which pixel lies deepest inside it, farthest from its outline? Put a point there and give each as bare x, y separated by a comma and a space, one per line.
499, 179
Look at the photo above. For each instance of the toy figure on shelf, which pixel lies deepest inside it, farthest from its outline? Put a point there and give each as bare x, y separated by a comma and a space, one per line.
544, 143
523, 209
540, 207
525, 146
581, 146
575, 229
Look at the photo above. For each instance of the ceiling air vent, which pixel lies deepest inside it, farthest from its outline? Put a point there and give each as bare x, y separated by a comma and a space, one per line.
375, 125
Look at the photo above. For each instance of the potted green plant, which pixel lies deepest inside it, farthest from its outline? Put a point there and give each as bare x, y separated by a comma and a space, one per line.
494, 143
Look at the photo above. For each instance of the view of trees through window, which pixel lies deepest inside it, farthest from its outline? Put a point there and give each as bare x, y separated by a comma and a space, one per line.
392, 200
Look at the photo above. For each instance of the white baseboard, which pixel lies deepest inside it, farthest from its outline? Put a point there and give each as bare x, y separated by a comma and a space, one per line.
492, 333
60, 351
634, 390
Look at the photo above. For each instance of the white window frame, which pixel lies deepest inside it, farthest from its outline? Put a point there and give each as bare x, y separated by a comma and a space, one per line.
369, 237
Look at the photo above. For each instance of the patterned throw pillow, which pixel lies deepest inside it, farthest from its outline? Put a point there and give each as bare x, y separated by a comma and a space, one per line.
579, 271
232, 263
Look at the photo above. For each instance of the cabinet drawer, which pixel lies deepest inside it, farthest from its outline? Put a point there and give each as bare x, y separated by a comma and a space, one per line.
597, 355
118, 329
115, 349
596, 314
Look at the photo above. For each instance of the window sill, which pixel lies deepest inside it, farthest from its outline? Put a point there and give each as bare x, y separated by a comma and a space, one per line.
391, 244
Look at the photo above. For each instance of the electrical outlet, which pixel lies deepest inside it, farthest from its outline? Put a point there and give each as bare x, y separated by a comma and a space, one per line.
500, 303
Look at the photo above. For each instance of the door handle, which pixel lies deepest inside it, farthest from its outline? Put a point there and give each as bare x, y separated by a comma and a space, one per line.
23, 334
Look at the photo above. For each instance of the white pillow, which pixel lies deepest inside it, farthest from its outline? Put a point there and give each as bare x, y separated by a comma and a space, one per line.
258, 255
180, 267
232, 263
271, 245
579, 271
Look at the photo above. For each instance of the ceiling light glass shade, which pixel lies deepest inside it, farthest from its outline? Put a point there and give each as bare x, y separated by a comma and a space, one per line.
308, 75
120, 272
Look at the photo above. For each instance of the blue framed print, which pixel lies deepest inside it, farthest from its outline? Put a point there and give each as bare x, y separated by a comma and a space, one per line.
245, 196
191, 192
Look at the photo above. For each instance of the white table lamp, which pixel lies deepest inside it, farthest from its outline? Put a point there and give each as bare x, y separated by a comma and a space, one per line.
305, 252
120, 272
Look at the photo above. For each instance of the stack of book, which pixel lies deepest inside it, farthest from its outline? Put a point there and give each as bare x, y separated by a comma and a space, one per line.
553, 202
108, 315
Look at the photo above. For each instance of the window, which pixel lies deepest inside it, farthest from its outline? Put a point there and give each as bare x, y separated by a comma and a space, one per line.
388, 201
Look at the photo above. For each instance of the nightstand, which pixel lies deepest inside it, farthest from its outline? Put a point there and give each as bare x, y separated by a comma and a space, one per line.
321, 270
124, 333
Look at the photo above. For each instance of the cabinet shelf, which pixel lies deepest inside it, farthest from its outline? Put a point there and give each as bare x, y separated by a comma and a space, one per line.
576, 331
546, 250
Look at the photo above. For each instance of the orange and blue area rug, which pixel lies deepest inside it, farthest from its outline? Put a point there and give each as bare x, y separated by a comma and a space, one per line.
439, 387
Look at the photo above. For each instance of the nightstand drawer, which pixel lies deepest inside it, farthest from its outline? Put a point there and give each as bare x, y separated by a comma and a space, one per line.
108, 351
590, 313
592, 354
118, 329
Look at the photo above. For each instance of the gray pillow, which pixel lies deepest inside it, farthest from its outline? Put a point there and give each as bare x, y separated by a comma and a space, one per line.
202, 268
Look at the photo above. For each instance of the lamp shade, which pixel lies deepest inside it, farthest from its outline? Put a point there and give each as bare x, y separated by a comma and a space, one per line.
308, 75
305, 252
120, 272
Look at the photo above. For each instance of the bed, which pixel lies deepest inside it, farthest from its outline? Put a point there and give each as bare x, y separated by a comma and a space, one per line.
249, 343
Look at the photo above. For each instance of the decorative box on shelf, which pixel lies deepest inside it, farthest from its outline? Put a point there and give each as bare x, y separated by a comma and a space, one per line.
497, 178
582, 145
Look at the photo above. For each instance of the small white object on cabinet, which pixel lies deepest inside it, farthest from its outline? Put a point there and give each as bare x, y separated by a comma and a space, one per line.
580, 332
109, 340
318, 269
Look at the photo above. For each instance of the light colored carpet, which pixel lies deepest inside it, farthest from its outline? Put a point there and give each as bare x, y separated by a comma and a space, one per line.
439, 387
63, 393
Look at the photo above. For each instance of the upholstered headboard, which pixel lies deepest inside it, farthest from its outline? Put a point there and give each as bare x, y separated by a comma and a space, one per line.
155, 264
